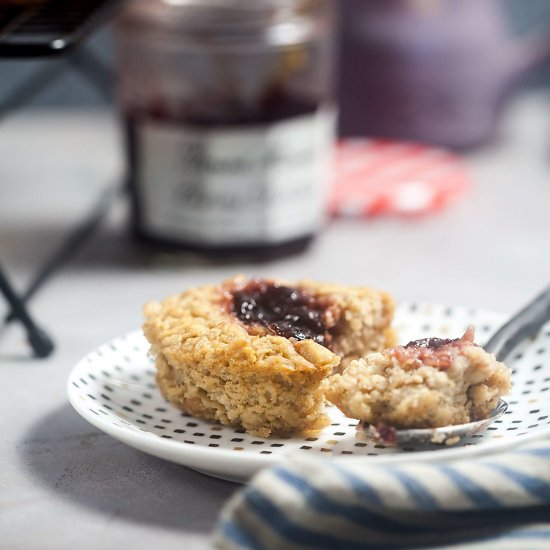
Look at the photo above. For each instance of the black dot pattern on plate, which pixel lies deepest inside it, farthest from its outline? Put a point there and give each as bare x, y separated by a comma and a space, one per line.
117, 383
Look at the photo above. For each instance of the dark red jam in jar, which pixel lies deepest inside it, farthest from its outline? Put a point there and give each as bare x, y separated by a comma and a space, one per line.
285, 311
229, 121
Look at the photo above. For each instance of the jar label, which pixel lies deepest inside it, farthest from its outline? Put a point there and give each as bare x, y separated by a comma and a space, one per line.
218, 186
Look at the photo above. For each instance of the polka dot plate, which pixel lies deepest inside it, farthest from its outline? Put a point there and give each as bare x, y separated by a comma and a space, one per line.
114, 389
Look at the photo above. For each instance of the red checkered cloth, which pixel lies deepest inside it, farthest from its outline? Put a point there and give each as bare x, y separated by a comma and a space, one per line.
377, 176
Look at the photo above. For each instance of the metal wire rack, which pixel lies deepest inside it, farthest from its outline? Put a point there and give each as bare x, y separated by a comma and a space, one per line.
48, 27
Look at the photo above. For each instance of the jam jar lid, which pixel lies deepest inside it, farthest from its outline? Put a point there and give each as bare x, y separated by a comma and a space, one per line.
282, 21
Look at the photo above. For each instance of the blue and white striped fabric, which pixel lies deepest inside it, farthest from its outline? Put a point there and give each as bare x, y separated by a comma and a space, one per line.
499, 501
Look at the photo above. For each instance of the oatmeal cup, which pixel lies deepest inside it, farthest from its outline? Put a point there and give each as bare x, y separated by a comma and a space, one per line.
253, 352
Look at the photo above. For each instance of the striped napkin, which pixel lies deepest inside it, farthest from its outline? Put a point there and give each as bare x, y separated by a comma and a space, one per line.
497, 501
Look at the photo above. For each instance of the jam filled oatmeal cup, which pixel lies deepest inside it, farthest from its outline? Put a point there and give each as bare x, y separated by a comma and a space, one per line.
253, 353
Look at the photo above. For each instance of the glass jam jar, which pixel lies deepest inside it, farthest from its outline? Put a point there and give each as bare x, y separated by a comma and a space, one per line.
229, 116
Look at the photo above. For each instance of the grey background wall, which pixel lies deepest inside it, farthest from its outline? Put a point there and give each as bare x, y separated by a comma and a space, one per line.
70, 89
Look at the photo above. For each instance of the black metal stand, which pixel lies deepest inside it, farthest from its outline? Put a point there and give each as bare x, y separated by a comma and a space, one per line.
40, 29
38, 339
43, 28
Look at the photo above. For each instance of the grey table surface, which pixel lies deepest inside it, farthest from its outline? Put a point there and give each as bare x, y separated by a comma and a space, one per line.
64, 484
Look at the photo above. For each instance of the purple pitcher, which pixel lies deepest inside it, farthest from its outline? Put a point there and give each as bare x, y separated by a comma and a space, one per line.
430, 70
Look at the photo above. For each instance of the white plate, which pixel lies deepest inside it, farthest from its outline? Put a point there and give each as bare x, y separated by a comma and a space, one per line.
114, 389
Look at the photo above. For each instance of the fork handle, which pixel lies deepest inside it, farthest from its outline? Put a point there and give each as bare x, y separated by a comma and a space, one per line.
522, 325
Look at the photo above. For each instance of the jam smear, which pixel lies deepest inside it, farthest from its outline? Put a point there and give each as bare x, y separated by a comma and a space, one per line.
284, 311
433, 352
386, 434
430, 343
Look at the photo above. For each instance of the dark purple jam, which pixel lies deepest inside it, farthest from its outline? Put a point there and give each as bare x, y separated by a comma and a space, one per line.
431, 343
386, 434
283, 310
